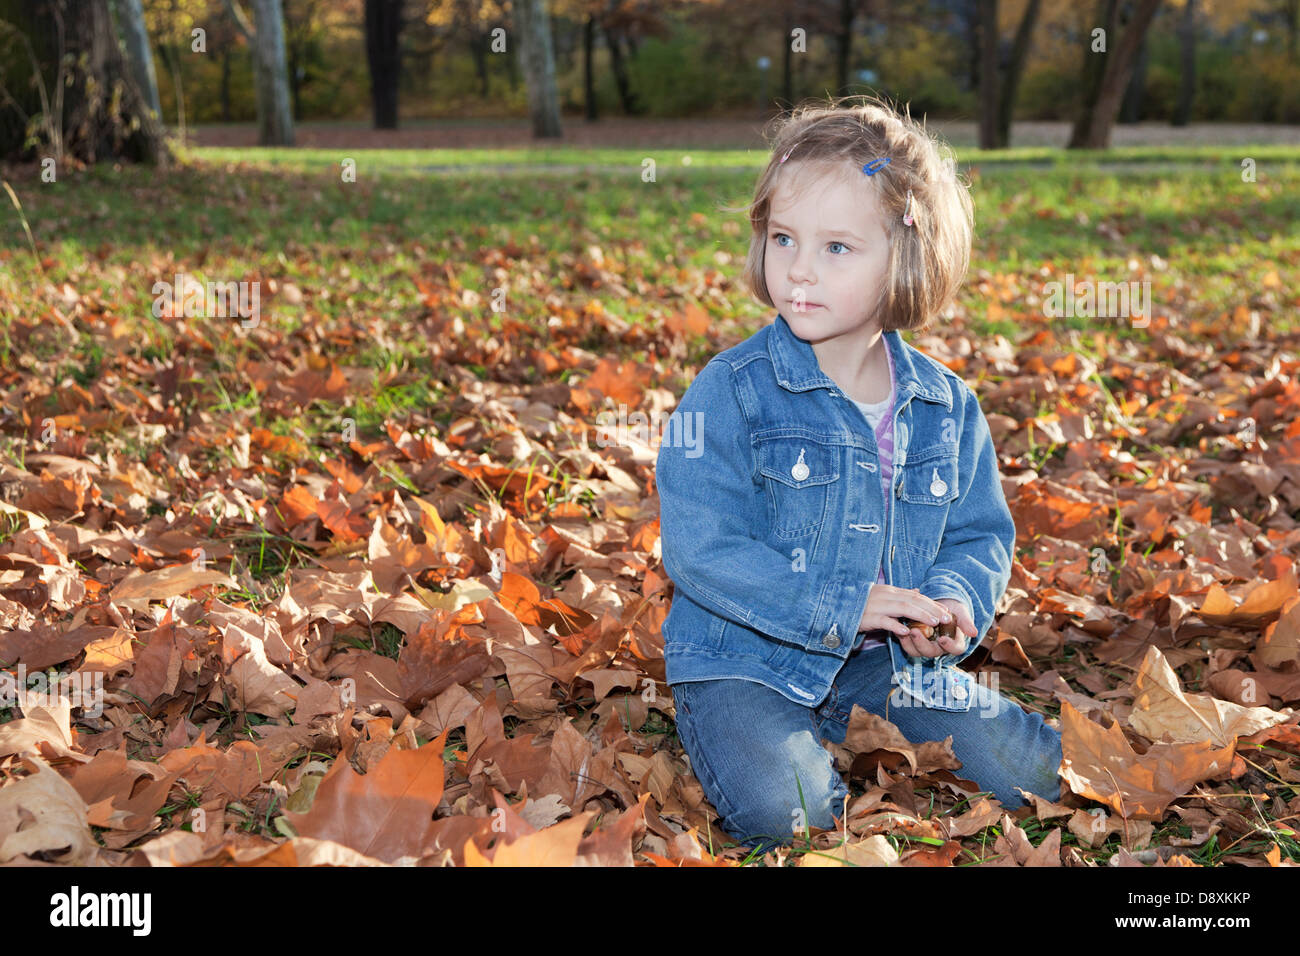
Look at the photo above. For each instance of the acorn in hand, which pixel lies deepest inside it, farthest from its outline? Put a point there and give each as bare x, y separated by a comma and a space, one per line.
928, 631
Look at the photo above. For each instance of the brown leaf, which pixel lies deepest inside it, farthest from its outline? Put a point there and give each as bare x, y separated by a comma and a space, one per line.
43, 813
1162, 712
1100, 765
386, 813
554, 846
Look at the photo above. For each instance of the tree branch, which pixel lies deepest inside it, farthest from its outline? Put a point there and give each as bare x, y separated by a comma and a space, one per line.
241, 19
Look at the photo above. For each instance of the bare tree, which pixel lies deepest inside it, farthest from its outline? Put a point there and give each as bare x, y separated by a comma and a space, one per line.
1101, 103
129, 15
537, 59
384, 55
265, 36
988, 59
1187, 82
998, 85
81, 98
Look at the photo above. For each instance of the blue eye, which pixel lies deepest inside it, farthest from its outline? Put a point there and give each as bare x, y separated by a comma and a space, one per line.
777, 236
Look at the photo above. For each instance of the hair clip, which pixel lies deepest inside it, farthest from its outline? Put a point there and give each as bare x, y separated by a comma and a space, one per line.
907, 210
787, 153
875, 165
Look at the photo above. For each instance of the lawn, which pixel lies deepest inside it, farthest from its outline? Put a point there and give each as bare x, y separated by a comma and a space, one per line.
384, 427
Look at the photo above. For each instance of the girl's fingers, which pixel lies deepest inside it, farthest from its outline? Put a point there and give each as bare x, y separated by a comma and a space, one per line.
949, 644
965, 623
923, 646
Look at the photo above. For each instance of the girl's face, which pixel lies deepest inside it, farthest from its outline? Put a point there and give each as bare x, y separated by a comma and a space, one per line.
826, 251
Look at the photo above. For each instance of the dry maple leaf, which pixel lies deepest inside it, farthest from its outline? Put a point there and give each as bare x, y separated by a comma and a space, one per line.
1162, 712
138, 588
43, 813
386, 813
555, 846
1015, 844
1262, 603
1099, 764
44, 730
875, 850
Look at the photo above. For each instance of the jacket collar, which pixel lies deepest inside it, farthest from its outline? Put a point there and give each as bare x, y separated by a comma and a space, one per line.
797, 369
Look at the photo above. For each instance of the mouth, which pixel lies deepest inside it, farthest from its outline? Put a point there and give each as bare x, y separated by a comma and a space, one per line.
807, 306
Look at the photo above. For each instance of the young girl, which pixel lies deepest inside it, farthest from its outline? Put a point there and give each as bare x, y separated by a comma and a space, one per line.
839, 483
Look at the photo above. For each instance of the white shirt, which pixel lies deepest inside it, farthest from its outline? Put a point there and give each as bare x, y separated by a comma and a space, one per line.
874, 412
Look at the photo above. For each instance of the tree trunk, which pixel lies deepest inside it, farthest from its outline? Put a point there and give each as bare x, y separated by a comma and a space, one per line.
1015, 69
589, 68
135, 38
537, 59
1093, 127
270, 28
626, 96
1292, 14
1187, 81
1094, 64
972, 26
1130, 110
294, 84
265, 36
988, 34
100, 112
479, 54
787, 56
383, 53
844, 47
225, 84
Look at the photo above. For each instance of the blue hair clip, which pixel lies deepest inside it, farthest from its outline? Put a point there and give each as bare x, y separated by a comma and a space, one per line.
876, 164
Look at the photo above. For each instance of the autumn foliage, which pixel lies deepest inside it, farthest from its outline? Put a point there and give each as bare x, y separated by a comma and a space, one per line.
458, 658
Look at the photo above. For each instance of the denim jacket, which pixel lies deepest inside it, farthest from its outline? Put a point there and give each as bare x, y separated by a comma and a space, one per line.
774, 526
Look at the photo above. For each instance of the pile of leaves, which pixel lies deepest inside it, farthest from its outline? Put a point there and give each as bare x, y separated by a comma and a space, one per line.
440, 642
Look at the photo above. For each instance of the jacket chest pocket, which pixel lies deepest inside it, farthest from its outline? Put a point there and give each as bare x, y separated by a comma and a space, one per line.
798, 475
928, 484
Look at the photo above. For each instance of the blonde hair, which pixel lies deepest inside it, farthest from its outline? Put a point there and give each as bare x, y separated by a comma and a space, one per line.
927, 260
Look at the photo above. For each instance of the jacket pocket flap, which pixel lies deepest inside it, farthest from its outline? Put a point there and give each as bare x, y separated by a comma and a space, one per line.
930, 480
798, 462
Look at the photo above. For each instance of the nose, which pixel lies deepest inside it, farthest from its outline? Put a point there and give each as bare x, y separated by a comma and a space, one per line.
801, 269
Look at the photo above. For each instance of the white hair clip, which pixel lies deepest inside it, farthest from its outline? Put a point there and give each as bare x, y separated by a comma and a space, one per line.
907, 210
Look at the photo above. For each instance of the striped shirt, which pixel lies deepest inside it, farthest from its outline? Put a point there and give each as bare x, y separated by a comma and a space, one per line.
881, 418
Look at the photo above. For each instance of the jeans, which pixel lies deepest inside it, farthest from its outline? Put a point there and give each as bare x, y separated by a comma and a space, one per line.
747, 742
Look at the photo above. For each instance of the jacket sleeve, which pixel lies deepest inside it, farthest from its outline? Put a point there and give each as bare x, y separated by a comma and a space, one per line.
974, 560
711, 512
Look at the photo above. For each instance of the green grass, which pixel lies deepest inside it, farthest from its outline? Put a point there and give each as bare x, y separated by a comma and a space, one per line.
286, 214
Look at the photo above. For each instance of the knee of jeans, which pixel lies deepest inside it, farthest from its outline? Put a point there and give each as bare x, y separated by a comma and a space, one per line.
800, 789
1046, 781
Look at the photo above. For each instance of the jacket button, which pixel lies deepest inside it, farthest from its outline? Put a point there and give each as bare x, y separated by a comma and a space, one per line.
831, 640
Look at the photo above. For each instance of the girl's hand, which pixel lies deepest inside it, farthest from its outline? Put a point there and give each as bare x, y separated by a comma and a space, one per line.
926, 641
894, 609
